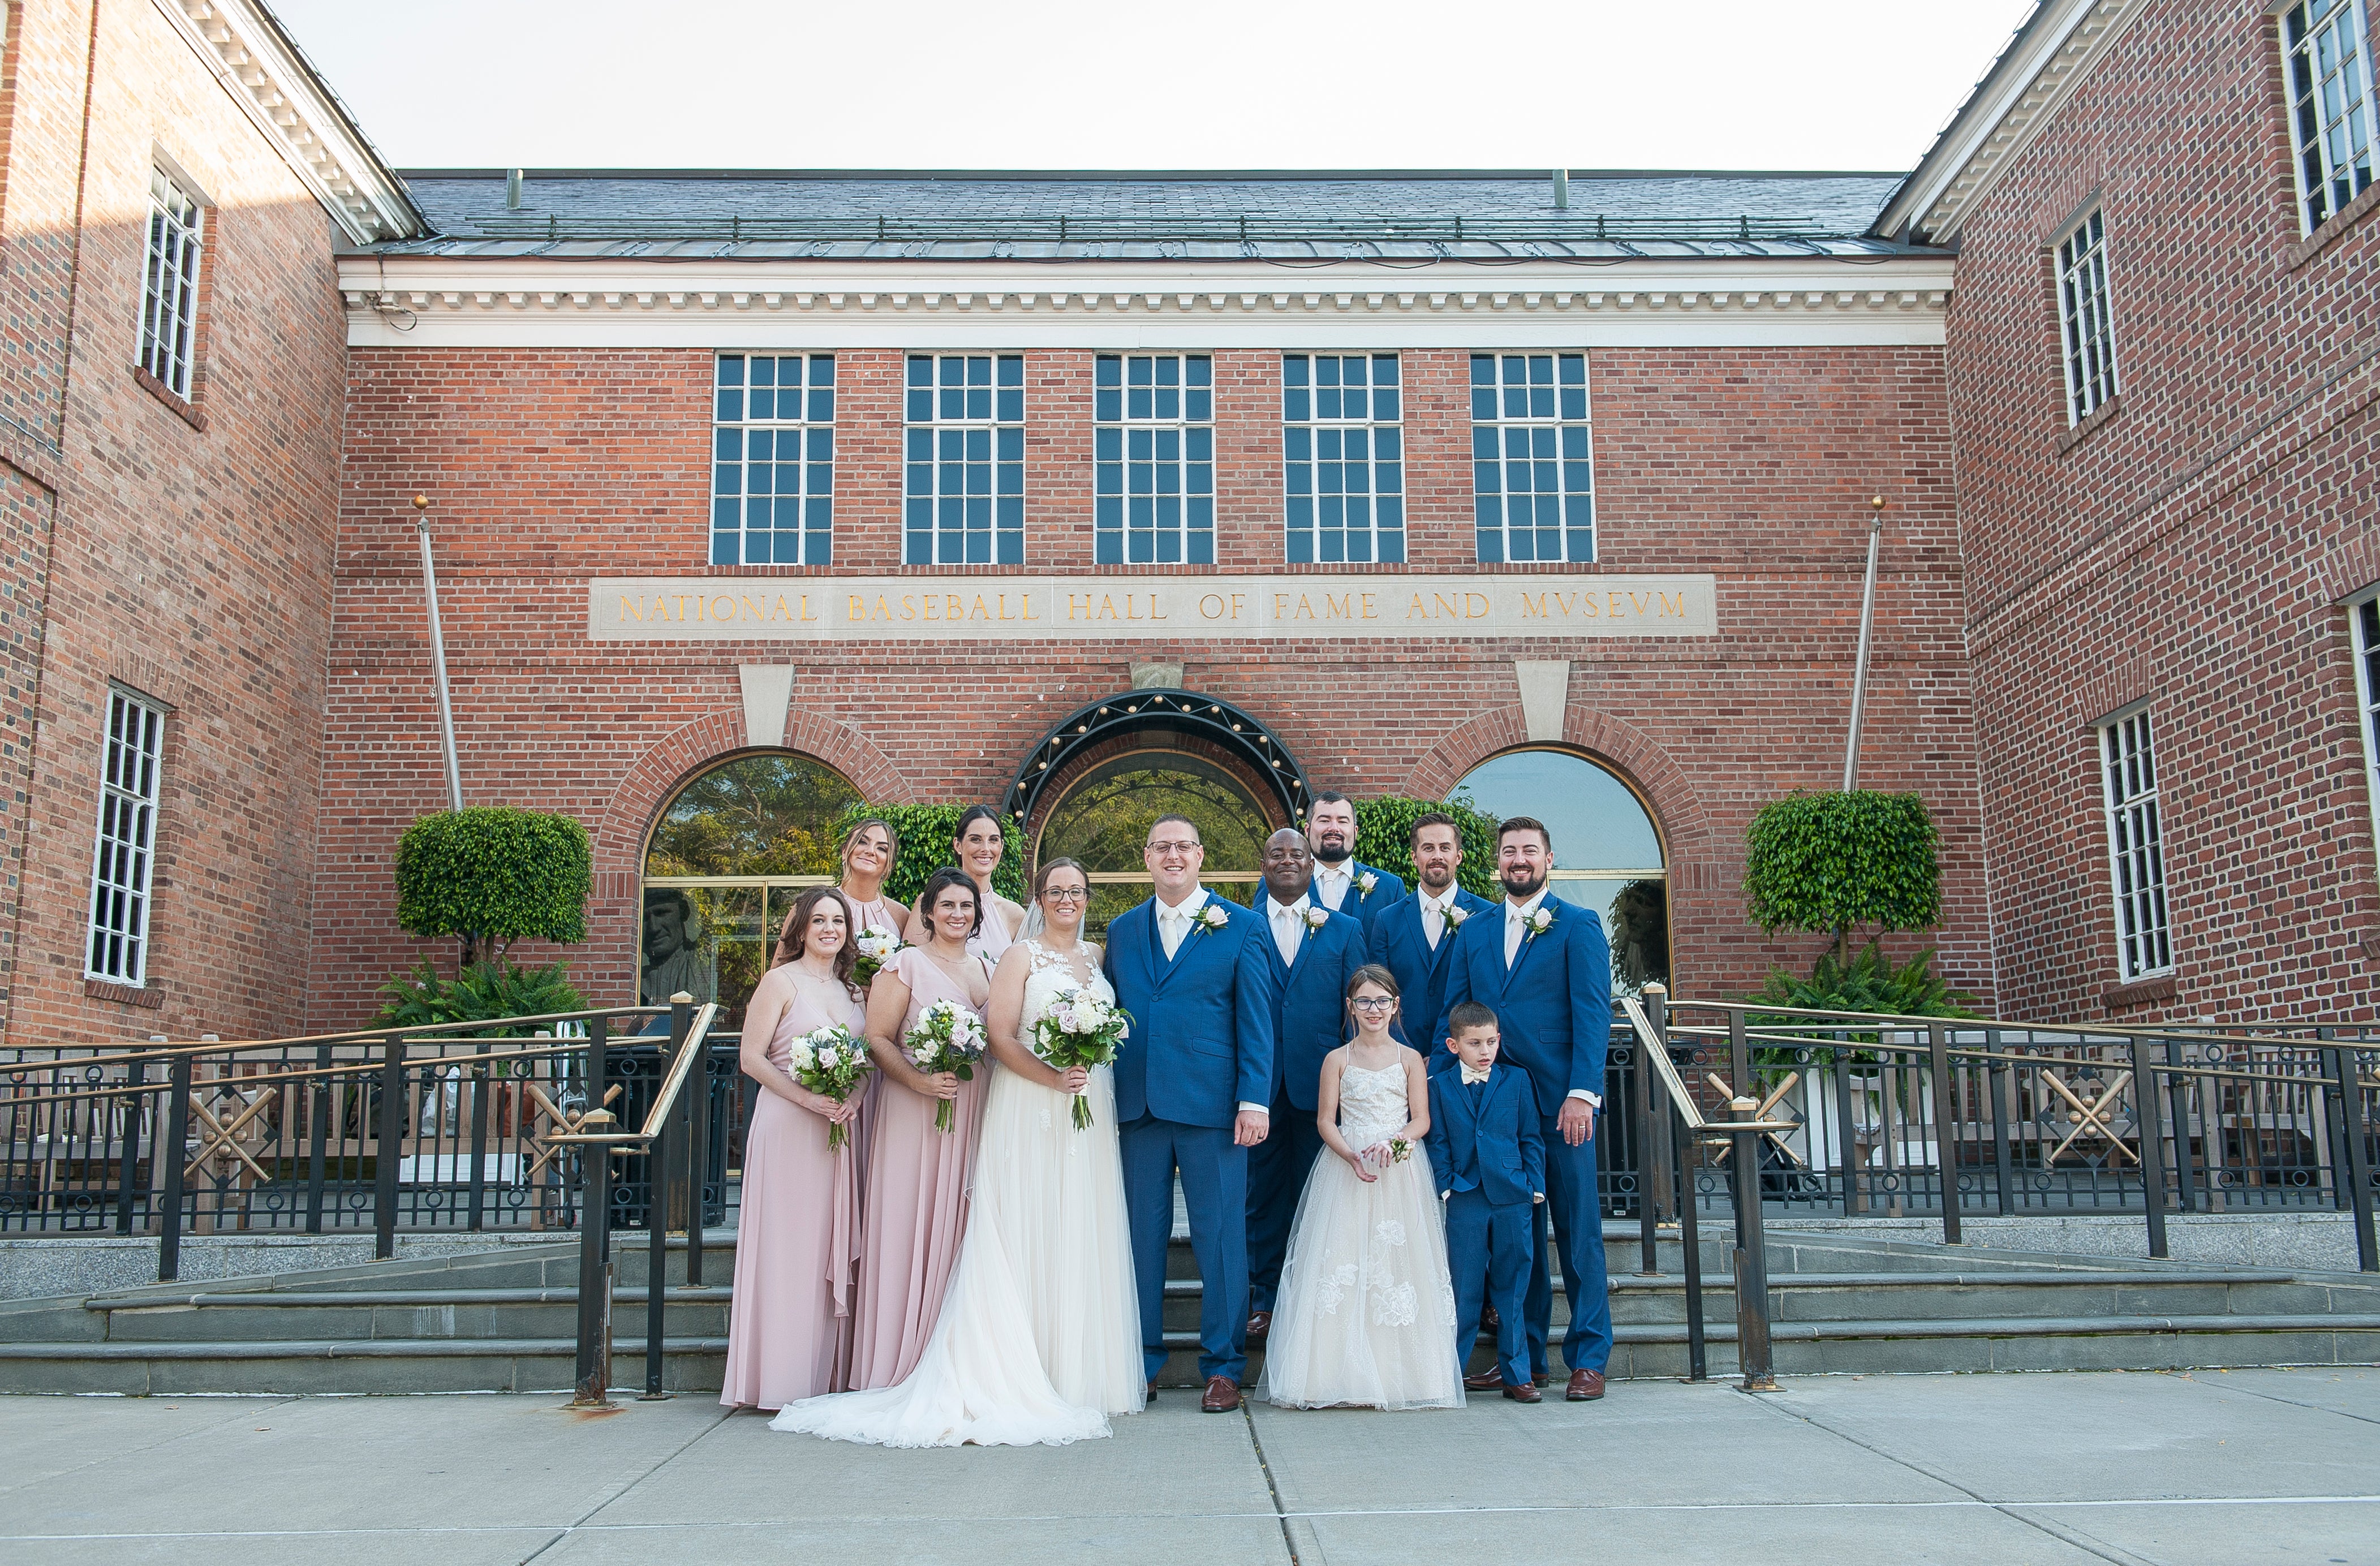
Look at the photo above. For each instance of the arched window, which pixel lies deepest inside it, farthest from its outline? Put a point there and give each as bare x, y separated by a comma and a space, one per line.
728, 855
1607, 849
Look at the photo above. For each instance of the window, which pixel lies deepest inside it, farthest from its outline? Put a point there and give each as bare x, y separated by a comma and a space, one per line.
127, 835
1532, 471
169, 305
2330, 103
965, 486
2366, 619
2136, 847
1156, 458
772, 468
1344, 457
2082, 313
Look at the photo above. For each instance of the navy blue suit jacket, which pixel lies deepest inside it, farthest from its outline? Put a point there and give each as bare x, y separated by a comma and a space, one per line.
1310, 1004
1398, 942
1553, 1006
1506, 1133
1367, 906
1202, 1039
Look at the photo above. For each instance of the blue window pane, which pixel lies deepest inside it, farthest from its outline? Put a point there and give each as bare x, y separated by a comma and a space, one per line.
1138, 404
1197, 370
722, 549
731, 369
731, 406
1011, 370
1483, 370
1197, 406
1198, 444
1296, 406
921, 407
1109, 371
822, 406
822, 369
1011, 406
921, 371
1384, 406
1107, 406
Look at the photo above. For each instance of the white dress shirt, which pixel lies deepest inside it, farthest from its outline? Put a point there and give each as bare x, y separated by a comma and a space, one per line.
1331, 883
1433, 912
1288, 927
1515, 924
1173, 928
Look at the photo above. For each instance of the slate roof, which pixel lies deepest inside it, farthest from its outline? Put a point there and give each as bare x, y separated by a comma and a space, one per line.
954, 215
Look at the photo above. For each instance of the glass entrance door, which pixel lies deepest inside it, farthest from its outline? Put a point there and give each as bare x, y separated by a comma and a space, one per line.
1103, 818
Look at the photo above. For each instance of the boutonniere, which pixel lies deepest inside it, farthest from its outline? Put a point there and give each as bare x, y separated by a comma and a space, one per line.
1211, 916
1454, 914
1537, 923
1363, 884
1315, 919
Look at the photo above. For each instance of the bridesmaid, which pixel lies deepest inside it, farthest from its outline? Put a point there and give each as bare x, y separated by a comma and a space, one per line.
789, 1330
980, 847
914, 1208
868, 850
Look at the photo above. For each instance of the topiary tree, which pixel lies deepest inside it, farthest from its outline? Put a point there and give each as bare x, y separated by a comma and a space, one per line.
492, 876
926, 832
1835, 863
1384, 837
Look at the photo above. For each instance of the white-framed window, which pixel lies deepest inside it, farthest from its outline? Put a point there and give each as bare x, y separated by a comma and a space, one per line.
2364, 619
1344, 457
963, 488
1532, 462
773, 460
1154, 468
128, 838
169, 301
2329, 49
2136, 845
2084, 320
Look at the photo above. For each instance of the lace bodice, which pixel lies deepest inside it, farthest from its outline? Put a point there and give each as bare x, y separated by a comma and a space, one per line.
1372, 1103
1054, 975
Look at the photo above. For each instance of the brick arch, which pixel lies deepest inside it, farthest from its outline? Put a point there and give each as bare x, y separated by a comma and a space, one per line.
1678, 809
661, 770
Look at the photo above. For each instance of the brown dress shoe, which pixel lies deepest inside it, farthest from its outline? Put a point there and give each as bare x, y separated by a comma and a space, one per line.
1223, 1395
1523, 1393
1485, 1381
1259, 1326
1585, 1386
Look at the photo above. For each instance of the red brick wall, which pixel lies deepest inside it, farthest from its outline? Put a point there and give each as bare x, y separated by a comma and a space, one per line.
2191, 550
191, 563
552, 466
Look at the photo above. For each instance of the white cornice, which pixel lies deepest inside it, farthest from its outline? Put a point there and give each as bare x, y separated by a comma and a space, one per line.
423, 301
268, 77
2011, 107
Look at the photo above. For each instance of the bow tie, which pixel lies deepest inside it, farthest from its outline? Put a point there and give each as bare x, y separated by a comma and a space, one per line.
1474, 1079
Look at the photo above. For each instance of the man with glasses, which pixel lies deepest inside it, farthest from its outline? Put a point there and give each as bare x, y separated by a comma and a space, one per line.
1314, 954
1194, 1093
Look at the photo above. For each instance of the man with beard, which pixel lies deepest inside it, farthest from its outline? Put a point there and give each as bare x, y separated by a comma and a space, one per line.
1342, 884
1543, 967
1412, 938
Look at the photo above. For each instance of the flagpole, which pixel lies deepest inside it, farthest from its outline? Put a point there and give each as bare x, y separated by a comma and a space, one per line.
438, 653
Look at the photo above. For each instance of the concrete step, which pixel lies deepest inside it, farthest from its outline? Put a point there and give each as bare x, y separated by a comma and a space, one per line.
395, 1366
397, 1314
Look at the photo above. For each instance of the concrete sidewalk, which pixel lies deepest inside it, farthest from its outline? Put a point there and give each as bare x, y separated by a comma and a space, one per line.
2224, 1468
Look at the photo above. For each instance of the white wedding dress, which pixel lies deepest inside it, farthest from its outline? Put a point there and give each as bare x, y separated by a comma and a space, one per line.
1038, 1340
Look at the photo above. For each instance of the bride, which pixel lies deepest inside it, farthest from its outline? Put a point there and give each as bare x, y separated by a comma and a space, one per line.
1038, 1340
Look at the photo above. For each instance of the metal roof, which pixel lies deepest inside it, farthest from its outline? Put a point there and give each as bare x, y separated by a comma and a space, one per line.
1481, 215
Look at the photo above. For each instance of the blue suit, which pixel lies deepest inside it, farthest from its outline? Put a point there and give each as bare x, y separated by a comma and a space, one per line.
1488, 1155
1553, 1007
1398, 942
1201, 1046
1365, 906
1309, 1021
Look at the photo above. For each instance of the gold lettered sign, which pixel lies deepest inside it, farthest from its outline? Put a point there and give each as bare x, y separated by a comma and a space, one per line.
1095, 608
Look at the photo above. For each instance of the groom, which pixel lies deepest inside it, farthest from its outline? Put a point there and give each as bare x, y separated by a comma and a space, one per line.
1192, 1087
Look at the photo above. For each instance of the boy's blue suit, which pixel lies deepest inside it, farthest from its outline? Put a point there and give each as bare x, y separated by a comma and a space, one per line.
1309, 1021
1553, 1008
1488, 1156
1397, 941
1363, 907
1201, 1046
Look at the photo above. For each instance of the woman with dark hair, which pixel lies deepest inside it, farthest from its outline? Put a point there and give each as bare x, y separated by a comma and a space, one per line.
789, 1333
915, 1204
869, 849
980, 845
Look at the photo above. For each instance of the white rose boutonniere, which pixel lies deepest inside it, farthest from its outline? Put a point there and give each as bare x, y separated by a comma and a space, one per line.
1364, 882
1315, 919
1211, 916
1455, 914
1537, 924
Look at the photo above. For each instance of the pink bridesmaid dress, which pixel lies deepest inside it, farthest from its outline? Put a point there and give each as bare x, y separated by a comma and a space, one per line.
789, 1329
914, 1210
993, 939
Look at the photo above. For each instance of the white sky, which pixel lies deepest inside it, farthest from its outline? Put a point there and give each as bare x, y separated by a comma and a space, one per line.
1782, 84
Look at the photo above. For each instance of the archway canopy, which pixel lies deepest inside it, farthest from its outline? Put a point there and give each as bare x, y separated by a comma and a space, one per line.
1171, 711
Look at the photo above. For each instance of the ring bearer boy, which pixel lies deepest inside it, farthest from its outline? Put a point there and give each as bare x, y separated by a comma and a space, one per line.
1488, 1152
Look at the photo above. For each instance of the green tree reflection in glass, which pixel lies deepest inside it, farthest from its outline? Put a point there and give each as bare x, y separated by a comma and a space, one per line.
1105, 817
756, 816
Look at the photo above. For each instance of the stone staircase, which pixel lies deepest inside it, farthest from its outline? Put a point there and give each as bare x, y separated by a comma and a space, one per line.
505, 1321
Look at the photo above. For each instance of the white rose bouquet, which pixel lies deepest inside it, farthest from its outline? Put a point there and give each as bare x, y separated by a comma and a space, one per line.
947, 1038
874, 949
1080, 1029
832, 1060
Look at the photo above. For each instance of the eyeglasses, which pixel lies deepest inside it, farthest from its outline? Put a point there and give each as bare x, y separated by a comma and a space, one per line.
1065, 894
1184, 848
1373, 1003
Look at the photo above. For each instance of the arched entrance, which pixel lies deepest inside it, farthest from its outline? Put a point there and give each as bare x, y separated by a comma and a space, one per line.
1607, 847
725, 860
1095, 783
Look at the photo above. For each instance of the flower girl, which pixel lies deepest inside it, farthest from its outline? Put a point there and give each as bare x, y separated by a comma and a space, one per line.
1365, 1312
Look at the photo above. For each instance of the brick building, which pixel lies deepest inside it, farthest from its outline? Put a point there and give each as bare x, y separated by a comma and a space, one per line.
1081, 494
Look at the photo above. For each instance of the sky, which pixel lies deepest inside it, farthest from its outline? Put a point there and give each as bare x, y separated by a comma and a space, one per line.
1741, 84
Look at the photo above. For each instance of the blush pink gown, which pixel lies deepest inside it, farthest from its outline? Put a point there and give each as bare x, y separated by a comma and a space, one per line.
789, 1330
914, 1206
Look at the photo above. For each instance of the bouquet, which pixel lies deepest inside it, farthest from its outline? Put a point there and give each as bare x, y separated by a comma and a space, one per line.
1399, 1149
875, 948
947, 1038
1080, 1029
832, 1060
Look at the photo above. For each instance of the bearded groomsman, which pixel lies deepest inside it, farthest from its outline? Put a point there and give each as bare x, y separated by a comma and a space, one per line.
1543, 967
1342, 883
1411, 938
1315, 955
